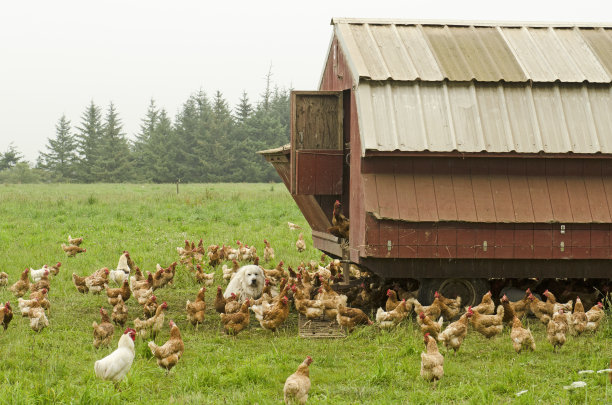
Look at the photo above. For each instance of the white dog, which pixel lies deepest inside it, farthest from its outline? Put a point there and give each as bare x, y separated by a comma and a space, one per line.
248, 281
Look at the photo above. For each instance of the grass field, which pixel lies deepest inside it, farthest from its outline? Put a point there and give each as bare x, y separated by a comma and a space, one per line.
150, 221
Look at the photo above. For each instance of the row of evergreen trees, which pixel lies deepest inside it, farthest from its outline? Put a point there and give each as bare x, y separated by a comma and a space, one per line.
207, 141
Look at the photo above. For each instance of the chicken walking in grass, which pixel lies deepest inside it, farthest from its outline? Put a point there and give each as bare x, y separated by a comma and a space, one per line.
300, 244
521, 337
297, 384
170, 352
196, 310
73, 250
3, 279
432, 362
556, 330
116, 365
6, 315
103, 332
22, 285
455, 333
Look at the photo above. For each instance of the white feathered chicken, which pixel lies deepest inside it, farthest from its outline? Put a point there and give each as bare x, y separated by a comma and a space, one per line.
117, 364
37, 274
123, 269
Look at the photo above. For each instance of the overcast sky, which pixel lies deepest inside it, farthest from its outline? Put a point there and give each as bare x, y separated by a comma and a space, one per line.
56, 56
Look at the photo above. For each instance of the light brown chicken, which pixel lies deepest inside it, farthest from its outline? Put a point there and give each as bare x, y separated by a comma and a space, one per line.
103, 332
150, 306
392, 300
432, 362
196, 310
38, 318
22, 285
153, 324
75, 241
453, 335
54, 270
521, 337
271, 316
509, 313
268, 251
297, 384
579, 318
114, 293
556, 329
389, 319
170, 353
449, 307
486, 306
350, 317
232, 304
3, 279
488, 325
73, 250
120, 312
220, 301
340, 224
542, 310
594, 317
237, 322
98, 281
204, 278
428, 325
311, 309
42, 284
300, 244
433, 311
6, 315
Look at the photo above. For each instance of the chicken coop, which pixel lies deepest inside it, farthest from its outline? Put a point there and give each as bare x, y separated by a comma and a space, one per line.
461, 151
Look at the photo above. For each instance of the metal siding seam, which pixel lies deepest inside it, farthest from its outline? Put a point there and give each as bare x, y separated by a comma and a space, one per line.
591, 121
395, 136
510, 145
365, 126
540, 60
414, 40
568, 55
537, 136
422, 115
568, 140
405, 52
498, 73
480, 130
353, 63
511, 48
432, 52
382, 60
451, 123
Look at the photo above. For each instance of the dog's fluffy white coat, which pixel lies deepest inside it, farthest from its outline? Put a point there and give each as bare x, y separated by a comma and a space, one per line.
248, 281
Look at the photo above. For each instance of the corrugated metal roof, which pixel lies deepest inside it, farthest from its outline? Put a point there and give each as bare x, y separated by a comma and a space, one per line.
487, 52
489, 197
492, 117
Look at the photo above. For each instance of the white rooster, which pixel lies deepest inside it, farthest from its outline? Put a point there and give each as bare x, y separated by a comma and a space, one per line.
37, 274
117, 364
123, 269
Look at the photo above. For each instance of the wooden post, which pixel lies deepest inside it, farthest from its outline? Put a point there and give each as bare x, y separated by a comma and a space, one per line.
177, 185
346, 265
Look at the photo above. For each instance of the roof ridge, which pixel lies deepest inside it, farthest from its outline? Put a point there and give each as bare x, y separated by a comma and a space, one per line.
481, 23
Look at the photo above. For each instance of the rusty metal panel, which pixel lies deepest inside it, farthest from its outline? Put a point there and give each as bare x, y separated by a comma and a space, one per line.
581, 237
406, 196
502, 198
483, 197
427, 234
600, 235
576, 190
463, 192
606, 172
426, 196
559, 199
445, 197
385, 187
371, 196
519, 189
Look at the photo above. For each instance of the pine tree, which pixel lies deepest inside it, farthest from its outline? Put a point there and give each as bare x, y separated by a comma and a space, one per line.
114, 164
61, 157
160, 150
89, 142
10, 158
243, 110
142, 162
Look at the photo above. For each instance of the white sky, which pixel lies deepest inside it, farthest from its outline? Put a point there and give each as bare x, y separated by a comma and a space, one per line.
56, 56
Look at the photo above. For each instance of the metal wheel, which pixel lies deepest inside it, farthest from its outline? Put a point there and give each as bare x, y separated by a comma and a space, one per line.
470, 290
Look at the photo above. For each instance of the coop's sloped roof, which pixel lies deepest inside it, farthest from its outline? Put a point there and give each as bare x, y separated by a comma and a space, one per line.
485, 117
512, 197
489, 52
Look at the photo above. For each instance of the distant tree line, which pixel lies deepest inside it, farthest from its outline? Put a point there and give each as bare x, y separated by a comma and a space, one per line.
207, 141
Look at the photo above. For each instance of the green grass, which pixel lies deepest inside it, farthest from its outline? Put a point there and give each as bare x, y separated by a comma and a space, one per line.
150, 221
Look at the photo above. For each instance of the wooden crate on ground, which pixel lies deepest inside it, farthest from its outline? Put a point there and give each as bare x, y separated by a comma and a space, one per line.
319, 328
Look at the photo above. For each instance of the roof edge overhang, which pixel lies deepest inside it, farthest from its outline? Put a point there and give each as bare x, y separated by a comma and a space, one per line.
485, 154
468, 23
